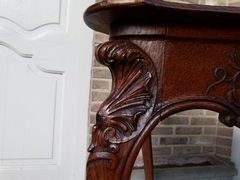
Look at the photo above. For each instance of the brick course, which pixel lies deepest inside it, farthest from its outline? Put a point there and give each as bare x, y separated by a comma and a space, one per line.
187, 150
162, 131
223, 131
202, 140
210, 130
208, 150
224, 142
173, 140
203, 121
162, 151
188, 130
175, 121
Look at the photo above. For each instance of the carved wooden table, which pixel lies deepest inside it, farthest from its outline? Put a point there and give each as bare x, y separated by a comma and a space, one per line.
164, 58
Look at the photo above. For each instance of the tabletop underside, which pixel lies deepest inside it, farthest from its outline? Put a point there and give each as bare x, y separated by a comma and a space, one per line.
100, 16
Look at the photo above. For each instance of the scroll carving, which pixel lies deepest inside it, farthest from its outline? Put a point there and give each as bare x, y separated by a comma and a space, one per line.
221, 74
127, 109
233, 95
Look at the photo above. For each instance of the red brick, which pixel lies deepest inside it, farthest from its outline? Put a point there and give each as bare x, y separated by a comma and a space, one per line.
92, 119
221, 151
188, 130
90, 131
175, 120
99, 84
154, 141
203, 121
173, 140
90, 128
225, 132
99, 96
208, 149
162, 151
202, 140
96, 63
222, 125
211, 113
95, 107
187, 150
210, 130
224, 142
102, 73
162, 130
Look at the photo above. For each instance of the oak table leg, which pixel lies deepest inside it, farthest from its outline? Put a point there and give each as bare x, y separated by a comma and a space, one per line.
125, 119
147, 158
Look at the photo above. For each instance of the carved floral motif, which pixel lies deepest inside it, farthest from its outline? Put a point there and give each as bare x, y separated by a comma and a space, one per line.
221, 74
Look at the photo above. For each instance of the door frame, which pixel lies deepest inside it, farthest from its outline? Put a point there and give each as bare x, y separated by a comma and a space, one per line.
84, 70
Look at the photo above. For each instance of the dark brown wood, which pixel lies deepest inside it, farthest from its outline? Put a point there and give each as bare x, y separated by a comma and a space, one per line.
164, 58
101, 15
147, 158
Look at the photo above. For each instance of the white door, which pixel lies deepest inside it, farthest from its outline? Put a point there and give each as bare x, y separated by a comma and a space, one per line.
45, 55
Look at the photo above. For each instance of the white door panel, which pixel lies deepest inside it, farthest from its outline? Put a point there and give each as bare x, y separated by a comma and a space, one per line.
37, 27
30, 104
40, 74
33, 14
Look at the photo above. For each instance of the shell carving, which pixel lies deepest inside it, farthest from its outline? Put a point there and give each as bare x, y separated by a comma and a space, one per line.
123, 114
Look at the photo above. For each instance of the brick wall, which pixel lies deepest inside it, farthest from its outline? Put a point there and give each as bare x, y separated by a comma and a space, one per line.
190, 132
